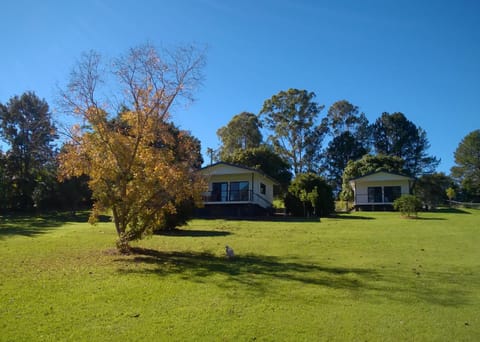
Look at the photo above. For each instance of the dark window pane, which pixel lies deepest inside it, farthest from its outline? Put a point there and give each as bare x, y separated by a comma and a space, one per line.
375, 194
391, 193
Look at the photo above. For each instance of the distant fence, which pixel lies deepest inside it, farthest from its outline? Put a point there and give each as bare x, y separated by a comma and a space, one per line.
469, 205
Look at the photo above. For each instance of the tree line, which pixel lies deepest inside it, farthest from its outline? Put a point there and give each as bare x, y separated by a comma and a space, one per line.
338, 147
126, 156
29, 164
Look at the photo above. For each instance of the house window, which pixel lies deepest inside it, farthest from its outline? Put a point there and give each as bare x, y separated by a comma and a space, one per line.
219, 192
239, 191
391, 193
263, 189
375, 194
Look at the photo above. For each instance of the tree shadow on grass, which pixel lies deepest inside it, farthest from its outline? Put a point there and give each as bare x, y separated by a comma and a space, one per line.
252, 270
193, 233
450, 210
421, 218
432, 287
351, 217
30, 226
258, 272
35, 225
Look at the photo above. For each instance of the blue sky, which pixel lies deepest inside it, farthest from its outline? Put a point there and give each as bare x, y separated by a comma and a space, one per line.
421, 58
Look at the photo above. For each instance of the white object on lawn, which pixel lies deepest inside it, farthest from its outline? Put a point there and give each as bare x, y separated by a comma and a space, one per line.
229, 251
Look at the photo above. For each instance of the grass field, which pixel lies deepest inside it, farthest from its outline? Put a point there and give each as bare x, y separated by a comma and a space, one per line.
357, 277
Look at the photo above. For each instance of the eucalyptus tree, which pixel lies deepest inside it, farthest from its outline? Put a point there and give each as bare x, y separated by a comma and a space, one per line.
295, 131
241, 132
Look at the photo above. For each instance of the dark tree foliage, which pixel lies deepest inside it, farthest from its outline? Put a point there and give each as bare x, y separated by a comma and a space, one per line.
342, 149
264, 159
4, 188
369, 164
467, 168
27, 128
431, 189
394, 135
242, 132
309, 195
73, 194
296, 136
350, 132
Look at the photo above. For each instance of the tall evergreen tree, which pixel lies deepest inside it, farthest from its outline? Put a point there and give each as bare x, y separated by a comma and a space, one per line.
350, 134
27, 128
467, 168
394, 135
342, 149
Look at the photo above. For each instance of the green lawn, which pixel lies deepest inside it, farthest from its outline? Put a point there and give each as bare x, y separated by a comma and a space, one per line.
358, 277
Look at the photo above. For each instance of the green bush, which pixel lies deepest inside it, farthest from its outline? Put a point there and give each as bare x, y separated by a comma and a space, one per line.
408, 205
309, 195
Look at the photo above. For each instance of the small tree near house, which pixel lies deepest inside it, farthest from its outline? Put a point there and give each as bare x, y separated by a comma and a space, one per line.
309, 195
408, 205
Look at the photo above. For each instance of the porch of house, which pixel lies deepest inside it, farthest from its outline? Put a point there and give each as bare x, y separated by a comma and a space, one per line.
377, 198
234, 203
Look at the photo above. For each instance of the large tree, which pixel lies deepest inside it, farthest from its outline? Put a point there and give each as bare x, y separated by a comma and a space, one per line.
3, 182
242, 132
345, 117
140, 166
309, 195
28, 130
395, 135
296, 135
340, 150
350, 132
431, 189
467, 168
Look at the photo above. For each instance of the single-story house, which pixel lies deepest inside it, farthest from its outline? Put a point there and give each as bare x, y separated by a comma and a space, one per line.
235, 190
378, 190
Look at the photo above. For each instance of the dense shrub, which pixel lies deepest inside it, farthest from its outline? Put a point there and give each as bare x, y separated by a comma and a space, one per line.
309, 195
183, 213
408, 205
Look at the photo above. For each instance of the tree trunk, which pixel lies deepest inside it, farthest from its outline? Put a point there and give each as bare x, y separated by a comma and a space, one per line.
123, 245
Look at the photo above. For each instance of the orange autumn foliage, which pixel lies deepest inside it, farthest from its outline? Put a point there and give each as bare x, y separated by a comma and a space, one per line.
141, 167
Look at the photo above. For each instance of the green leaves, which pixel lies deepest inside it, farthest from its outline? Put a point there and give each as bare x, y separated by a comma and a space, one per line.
27, 128
292, 118
467, 168
395, 135
408, 205
242, 132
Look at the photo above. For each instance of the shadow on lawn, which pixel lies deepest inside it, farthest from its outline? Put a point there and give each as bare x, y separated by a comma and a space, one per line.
451, 210
252, 270
34, 225
257, 272
193, 233
351, 217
